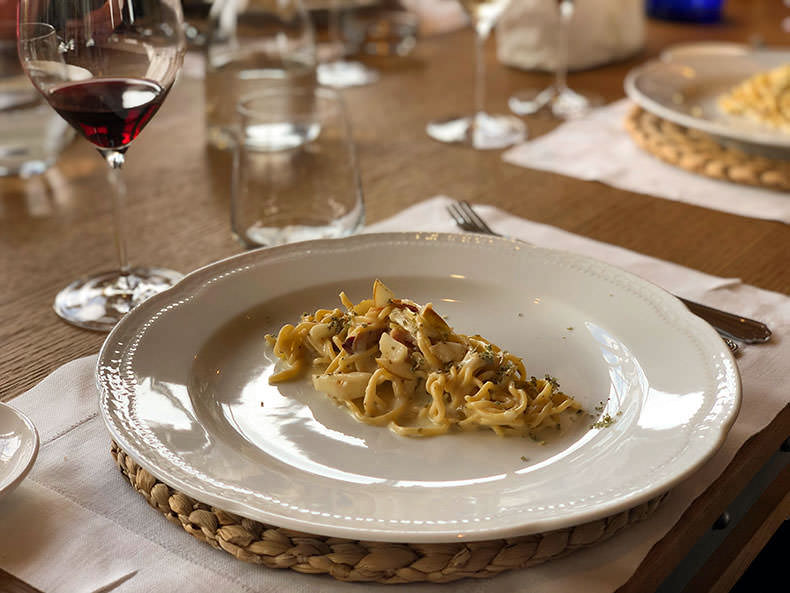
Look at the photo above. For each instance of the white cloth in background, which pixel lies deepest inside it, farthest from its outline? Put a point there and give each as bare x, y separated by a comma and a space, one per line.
437, 16
597, 147
75, 525
600, 32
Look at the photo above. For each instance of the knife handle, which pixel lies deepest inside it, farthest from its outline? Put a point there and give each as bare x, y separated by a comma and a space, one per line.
730, 325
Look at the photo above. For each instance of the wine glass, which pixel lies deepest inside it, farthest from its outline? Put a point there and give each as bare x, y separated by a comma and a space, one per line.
565, 103
105, 67
480, 130
338, 72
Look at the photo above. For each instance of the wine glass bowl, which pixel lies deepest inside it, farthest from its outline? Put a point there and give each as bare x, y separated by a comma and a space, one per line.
105, 68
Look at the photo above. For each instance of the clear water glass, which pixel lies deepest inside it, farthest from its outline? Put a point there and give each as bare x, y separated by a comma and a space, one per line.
32, 135
295, 173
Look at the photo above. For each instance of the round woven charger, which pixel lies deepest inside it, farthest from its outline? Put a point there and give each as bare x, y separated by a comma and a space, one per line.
353, 560
700, 153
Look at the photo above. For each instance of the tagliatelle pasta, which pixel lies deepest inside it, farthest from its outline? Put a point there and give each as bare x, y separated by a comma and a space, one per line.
764, 98
395, 363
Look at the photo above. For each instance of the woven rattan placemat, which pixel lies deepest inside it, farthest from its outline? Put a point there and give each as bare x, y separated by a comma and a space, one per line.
352, 560
700, 153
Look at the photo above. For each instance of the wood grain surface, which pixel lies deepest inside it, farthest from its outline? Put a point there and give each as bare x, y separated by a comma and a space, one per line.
57, 227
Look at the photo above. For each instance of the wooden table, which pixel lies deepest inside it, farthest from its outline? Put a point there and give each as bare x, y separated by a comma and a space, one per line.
57, 227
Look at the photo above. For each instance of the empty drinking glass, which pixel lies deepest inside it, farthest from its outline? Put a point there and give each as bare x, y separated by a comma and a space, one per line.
32, 135
295, 173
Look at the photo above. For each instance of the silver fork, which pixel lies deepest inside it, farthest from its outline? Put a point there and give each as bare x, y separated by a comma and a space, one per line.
728, 325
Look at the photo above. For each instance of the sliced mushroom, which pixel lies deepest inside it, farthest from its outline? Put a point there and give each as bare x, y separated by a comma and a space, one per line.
363, 339
345, 386
402, 369
404, 304
381, 294
435, 327
448, 351
391, 349
405, 318
321, 331
402, 336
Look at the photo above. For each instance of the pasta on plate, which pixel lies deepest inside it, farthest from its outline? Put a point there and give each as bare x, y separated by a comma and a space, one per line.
395, 363
763, 98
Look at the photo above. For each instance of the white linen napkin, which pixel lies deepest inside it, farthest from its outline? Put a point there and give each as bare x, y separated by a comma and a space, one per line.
75, 526
597, 147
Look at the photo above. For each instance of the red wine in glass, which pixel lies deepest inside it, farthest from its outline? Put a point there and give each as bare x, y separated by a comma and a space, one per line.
110, 112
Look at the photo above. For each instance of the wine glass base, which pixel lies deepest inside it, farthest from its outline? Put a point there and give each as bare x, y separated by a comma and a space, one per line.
568, 104
482, 132
98, 302
530, 101
342, 74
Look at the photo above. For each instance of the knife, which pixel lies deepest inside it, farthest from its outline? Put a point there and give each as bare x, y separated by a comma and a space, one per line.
731, 325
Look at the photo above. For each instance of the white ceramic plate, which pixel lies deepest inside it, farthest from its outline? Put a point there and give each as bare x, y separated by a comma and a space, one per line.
685, 88
18, 447
183, 381
681, 51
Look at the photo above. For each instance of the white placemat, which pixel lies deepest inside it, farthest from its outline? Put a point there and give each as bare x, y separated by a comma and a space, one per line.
76, 526
598, 148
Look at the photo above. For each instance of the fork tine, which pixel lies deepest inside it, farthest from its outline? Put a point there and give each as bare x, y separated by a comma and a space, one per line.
457, 217
475, 218
468, 223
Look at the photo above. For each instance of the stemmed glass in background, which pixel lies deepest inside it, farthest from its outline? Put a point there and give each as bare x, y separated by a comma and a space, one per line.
565, 103
338, 72
105, 68
480, 130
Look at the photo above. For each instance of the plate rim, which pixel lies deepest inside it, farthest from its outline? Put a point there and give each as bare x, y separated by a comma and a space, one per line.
766, 139
32, 434
734, 388
702, 47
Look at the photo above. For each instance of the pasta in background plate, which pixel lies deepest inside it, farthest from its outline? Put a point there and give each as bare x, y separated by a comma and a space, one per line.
763, 98
395, 363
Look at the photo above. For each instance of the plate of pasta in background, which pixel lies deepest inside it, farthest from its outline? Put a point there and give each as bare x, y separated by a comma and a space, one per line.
737, 94
417, 387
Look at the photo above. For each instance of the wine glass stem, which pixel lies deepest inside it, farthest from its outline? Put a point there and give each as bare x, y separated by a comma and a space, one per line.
480, 72
334, 28
566, 14
115, 160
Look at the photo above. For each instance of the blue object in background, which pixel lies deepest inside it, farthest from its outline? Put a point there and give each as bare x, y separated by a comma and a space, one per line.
697, 11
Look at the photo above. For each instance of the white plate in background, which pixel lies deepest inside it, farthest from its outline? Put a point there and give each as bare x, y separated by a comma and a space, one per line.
686, 88
679, 51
